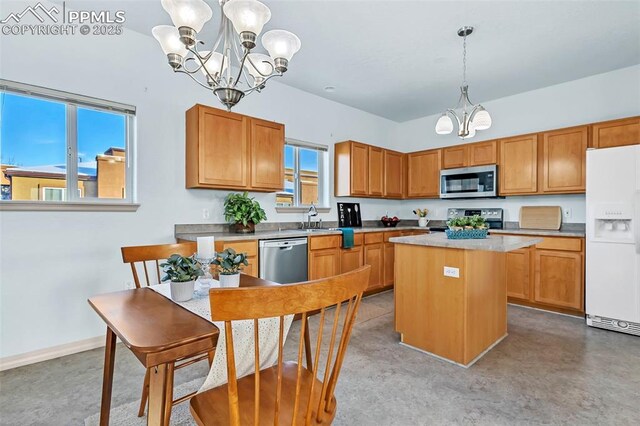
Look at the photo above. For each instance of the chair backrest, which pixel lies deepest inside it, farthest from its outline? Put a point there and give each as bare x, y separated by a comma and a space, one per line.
341, 294
153, 253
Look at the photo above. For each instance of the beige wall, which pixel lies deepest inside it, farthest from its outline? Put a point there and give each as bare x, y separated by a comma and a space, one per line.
111, 176
29, 188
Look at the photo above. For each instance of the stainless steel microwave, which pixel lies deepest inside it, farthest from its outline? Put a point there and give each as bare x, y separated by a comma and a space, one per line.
469, 182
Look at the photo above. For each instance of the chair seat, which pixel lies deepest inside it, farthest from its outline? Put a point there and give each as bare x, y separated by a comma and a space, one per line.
212, 407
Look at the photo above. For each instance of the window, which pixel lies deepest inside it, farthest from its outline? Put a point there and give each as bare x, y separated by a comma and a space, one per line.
58, 147
304, 175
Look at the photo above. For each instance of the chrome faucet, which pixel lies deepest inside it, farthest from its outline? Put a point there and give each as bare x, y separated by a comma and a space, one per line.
311, 213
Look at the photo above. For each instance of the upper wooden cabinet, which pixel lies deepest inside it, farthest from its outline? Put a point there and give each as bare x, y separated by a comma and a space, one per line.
351, 169
423, 174
483, 153
564, 154
455, 156
267, 158
616, 133
362, 170
394, 174
225, 150
376, 171
518, 171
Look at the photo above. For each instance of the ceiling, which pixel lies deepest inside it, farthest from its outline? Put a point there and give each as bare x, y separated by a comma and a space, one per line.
403, 59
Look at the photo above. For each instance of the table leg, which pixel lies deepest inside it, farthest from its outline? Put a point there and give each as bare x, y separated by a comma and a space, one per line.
160, 394
107, 378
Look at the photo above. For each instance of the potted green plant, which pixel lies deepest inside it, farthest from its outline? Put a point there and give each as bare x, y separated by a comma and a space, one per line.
183, 272
229, 265
463, 227
243, 212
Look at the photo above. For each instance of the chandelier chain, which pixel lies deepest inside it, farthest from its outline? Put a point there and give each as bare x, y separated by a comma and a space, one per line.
464, 60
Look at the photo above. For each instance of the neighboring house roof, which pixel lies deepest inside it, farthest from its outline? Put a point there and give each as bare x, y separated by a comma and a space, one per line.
87, 170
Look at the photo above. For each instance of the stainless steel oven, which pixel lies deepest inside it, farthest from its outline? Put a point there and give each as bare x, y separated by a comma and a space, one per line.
469, 182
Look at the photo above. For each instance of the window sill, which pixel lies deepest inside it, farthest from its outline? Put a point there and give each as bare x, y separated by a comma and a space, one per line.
49, 206
301, 209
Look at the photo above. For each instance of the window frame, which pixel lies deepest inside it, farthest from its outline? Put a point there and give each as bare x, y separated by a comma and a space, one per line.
323, 176
72, 102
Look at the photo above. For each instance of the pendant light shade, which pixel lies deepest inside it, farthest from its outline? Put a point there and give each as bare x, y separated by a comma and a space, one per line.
481, 120
444, 126
247, 15
260, 66
188, 13
213, 63
281, 44
169, 40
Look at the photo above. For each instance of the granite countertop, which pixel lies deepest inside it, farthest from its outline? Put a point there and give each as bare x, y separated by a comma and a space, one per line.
285, 233
498, 243
544, 232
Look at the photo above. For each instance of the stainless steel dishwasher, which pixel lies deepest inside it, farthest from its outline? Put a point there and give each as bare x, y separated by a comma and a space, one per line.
283, 261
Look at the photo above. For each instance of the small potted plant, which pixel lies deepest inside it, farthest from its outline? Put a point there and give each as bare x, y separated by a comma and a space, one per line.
229, 265
422, 217
462, 227
243, 212
183, 272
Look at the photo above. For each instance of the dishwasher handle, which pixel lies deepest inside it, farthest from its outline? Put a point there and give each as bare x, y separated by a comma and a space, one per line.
283, 243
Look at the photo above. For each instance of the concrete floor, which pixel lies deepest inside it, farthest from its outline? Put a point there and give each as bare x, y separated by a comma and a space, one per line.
551, 369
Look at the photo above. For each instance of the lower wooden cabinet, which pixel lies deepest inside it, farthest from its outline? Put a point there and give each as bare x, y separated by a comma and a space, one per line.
324, 263
351, 259
374, 256
549, 275
249, 247
389, 258
559, 279
518, 265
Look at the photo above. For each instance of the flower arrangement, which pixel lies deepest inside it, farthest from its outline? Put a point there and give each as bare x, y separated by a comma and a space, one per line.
421, 212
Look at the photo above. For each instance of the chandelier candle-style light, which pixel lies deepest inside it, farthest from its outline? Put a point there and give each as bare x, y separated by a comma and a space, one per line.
229, 69
474, 117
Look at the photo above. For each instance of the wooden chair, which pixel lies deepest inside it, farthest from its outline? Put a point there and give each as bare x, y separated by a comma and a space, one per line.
287, 393
137, 255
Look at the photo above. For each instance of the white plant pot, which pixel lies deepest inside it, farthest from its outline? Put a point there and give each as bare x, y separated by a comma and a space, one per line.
181, 292
229, 280
423, 222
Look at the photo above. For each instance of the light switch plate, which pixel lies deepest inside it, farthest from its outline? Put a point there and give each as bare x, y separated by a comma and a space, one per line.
451, 272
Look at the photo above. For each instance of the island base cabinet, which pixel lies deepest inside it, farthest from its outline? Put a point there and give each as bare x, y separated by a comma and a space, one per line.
453, 318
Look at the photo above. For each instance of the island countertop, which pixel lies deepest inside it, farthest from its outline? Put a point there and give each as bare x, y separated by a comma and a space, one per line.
499, 243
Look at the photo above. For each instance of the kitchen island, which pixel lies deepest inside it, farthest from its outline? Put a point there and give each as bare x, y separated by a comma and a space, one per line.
451, 295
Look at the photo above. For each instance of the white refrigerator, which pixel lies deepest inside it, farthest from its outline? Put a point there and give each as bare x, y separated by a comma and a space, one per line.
613, 239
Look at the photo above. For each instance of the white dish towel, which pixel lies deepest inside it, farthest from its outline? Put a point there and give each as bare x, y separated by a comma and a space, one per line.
243, 340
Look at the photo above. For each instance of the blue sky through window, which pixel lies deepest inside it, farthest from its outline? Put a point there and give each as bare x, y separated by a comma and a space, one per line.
33, 131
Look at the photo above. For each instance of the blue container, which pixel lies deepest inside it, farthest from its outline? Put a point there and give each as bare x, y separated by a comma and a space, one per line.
466, 234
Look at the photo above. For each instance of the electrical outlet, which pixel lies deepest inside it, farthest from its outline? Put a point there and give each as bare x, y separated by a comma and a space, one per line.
451, 272
566, 213
206, 213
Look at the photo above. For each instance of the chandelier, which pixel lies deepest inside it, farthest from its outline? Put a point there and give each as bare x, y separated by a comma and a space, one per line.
474, 117
229, 69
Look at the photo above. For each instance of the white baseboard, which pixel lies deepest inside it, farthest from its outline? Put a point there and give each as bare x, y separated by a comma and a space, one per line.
9, 362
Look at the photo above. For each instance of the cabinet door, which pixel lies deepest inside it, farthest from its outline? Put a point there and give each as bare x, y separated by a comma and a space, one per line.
267, 155
616, 133
483, 153
564, 156
423, 174
389, 257
374, 256
223, 148
393, 174
376, 171
518, 273
359, 169
252, 268
324, 263
558, 279
454, 156
519, 165
351, 259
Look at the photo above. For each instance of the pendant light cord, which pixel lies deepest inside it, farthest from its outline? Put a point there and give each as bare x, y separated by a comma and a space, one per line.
464, 60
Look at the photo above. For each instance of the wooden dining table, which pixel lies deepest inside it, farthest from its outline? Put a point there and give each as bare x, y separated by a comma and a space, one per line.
159, 332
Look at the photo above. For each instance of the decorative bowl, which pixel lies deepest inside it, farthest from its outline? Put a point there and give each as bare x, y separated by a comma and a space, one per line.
389, 223
466, 234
